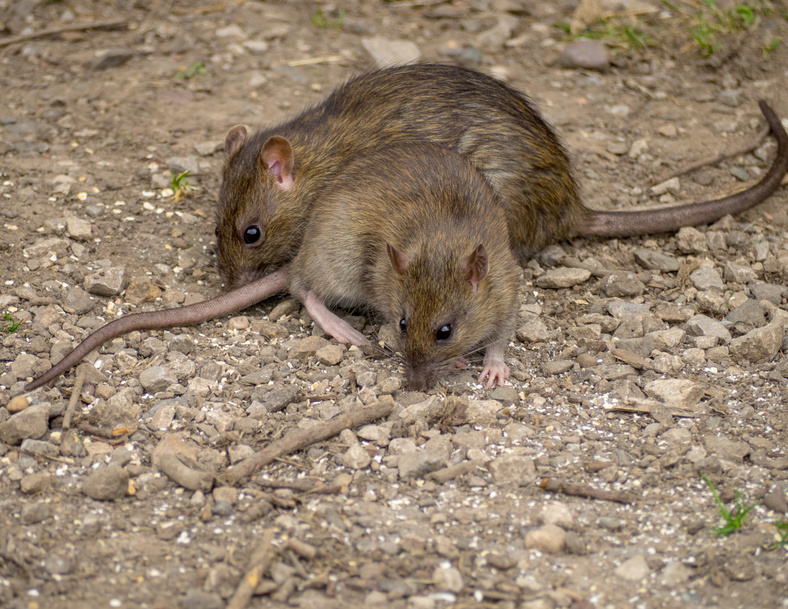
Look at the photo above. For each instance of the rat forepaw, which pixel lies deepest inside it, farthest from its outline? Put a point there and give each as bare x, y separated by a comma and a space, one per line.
494, 372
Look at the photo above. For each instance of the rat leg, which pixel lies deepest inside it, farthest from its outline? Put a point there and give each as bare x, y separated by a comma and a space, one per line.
331, 324
494, 367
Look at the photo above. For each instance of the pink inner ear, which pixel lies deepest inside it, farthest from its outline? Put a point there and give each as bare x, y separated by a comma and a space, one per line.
276, 155
399, 261
475, 266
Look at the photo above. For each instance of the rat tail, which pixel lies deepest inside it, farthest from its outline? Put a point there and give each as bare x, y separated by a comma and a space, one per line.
190, 315
629, 223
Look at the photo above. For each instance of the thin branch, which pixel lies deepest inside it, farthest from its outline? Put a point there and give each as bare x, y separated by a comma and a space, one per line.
302, 438
259, 563
584, 490
54, 31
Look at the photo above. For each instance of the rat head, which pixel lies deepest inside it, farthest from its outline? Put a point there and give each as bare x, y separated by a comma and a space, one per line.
445, 307
253, 227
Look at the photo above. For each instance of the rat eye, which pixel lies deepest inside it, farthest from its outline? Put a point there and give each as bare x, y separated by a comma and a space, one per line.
216, 232
252, 234
403, 326
444, 333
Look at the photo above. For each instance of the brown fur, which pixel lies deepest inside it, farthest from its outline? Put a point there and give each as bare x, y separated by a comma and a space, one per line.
437, 213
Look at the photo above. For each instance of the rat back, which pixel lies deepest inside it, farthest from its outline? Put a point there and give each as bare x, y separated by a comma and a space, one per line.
479, 117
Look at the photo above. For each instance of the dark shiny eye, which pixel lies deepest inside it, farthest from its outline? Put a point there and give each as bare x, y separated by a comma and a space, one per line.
216, 232
252, 234
444, 333
403, 326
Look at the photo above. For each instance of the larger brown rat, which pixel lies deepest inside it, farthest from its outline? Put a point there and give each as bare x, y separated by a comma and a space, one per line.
271, 179
416, 233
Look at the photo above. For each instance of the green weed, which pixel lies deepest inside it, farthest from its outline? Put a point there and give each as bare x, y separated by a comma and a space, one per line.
615, 34
13, 325
319, 19
180, 185
734, 519
782, 530
197, 68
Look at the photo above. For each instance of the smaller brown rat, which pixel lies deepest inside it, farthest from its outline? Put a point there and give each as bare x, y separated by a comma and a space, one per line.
416, 233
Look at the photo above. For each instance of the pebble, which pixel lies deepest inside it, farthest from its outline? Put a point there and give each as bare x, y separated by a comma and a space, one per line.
239, 322
703, 325
558, 514
776, 500
507, 470
494, 39
57, 565
726, 448
156, 378
739, 273
431, 457
35, 512
307, 347
32, 422
77, 301
385, 52
449, 578
668, 130
633, 569
690, 239
586, 54
758, 345
563, 277
678, 393
330, 355
24, 365
356, 457
506, 395
622, 284
17, 404
111, 58
106, 483
707, 278
672, 185
197, 599
534, 330
106, 282
548, 538
558, 366
33, 484
656, 260
770, 292
751, 312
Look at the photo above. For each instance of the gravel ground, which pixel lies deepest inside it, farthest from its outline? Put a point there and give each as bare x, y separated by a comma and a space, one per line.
638, 364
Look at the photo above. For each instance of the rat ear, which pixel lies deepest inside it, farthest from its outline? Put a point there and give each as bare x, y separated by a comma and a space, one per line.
276, 157
399, 261
475, 266
234, 140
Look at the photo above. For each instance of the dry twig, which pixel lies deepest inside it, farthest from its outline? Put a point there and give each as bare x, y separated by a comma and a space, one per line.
302, 438
584, 490
53, 31
72, 403
261, 559
717, 158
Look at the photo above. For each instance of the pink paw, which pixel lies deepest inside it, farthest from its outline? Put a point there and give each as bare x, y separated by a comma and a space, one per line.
494, 372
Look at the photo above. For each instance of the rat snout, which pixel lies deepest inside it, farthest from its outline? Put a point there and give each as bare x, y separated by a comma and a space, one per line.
420, 375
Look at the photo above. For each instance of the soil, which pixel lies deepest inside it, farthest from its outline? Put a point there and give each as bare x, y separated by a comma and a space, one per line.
618, 384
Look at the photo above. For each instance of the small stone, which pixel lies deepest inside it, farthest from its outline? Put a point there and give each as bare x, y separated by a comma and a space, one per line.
725, 448
330, 355
533, 330
634, 569
668, 130
730, 97
776, 500
672, 185
702, 325
690, 239
623, 284
558, 514
197, 599
57, 565
758, 345
106, 282
558, 366
77, 301
156, 378
107, 483
385, 52
447, 578
112, 58
78, 228
586, 54
24, 365
563, 277
35, 512
356, 457
739, 273
33, 422
516, 470
33, 484
768, 291
240, 322
655, 260
230, 31
429, 458
618, 148
308, 347
707, 278
548, 538
17, 404
505, 395
675, 392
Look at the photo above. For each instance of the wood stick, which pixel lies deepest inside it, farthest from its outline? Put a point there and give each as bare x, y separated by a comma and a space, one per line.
584, 490
72, 403
299, 439
716, 159
261, 559
53, 31
455, 471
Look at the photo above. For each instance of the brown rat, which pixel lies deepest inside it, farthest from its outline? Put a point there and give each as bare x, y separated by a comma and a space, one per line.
272, 178
416, 233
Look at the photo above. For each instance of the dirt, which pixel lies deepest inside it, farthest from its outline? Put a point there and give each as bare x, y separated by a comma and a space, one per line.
89, 142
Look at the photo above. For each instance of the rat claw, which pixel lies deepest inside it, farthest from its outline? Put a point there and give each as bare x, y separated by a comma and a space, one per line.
494, 371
